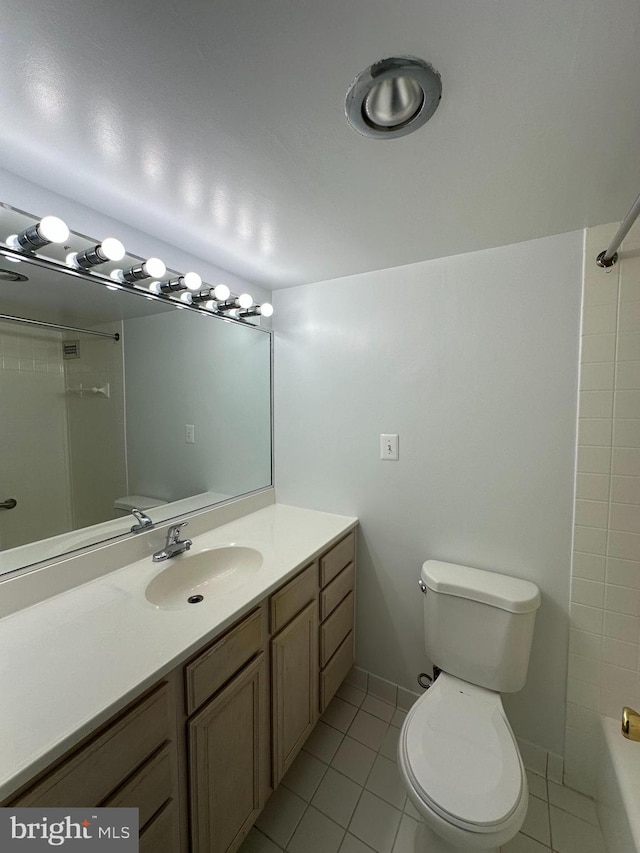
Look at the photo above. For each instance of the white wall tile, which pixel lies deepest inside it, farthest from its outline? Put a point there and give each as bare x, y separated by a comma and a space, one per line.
587, 592
589, 566
625, 489
600, 319
628, 375
626, 404
619, 626
625, 460
597, 376
596, 404
593, 513
629, 278
628, 346
587, 618
582, 693
583, 670
599, 348
594, 431
623, 572
623, 545
595, 460
621, 599
592, 540
629, 320
620, 654
626, 432
583, 720
625, 517
585, 643
593, 487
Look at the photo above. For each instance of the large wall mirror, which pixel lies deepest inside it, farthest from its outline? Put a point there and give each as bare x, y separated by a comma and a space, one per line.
112, 396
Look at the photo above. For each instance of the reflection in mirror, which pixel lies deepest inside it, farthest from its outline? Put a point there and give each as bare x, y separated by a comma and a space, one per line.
166, 410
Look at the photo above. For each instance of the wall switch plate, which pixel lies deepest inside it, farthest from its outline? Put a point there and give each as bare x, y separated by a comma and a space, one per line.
190, 434
389, 446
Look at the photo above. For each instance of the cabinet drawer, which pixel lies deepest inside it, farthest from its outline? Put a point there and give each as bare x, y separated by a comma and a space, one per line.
97, 769
163, 833
336, 671
213, 668
335, 629
293, 597
335, 560
333, 594
148, 789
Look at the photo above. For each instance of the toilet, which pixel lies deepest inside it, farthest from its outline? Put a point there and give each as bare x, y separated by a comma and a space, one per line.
124, 505
457, 753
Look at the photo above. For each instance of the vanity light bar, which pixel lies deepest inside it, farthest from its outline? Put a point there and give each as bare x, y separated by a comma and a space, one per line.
109, 250
189, 281
151, 268
50, 229
243, 301
266, 310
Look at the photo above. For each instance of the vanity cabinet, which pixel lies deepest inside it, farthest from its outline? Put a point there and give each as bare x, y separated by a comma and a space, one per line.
337, 583
200, 752
131, 761
228, 738
294, 667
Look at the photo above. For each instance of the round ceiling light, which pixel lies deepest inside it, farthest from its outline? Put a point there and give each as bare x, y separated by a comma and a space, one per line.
393, 97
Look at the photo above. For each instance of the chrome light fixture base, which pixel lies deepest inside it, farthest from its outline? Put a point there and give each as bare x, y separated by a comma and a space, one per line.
393, 97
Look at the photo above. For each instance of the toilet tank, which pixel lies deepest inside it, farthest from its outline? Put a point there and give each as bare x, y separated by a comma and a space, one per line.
478, 624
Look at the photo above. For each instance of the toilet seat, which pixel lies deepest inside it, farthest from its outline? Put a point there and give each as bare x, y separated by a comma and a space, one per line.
460, 756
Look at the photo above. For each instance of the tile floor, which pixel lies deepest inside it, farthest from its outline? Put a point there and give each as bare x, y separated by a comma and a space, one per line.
343, 794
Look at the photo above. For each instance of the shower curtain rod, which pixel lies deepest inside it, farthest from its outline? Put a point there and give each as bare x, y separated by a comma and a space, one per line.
608, 258
114, 337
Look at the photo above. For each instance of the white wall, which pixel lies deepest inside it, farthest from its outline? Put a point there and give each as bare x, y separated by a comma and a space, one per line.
604, 644
181, 369
473, 360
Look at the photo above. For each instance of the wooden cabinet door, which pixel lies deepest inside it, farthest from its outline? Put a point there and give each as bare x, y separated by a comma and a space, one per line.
294, 686
228, 748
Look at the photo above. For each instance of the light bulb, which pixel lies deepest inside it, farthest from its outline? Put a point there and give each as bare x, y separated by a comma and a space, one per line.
221, 292
112, 249
245, 301
266, 309
234, 313
186, 297
52, 229
154, 267
211, 305
192, 281
155, 287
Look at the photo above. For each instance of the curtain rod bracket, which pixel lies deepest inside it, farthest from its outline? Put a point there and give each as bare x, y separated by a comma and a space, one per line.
604, 262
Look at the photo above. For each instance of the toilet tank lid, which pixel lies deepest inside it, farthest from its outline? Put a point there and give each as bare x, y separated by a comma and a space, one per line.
507, 593
130, 502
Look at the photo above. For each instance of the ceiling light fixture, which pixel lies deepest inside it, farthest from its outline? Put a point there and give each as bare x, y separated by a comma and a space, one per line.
393, 97
50, 229
266, 310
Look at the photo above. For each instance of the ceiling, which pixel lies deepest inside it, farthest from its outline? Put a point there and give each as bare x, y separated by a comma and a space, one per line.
219, 126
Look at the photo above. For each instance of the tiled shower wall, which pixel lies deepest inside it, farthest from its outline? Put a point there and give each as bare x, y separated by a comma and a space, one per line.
604, 646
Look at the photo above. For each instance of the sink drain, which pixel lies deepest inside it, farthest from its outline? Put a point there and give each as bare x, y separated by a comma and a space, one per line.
195, 599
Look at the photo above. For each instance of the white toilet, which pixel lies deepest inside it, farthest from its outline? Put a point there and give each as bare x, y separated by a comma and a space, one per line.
457, 754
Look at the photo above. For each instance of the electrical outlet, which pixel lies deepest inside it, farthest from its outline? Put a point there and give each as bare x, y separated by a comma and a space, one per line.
389, 447
190, 434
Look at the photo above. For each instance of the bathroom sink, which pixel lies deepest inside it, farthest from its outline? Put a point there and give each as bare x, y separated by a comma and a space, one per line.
202, 576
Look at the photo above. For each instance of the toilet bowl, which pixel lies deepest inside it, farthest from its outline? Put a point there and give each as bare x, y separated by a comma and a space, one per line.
457, 754
461, 767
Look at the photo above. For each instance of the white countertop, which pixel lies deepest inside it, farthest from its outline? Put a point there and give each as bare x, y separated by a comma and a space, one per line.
70, 662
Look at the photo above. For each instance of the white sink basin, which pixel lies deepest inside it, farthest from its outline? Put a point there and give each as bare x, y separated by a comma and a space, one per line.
203, 576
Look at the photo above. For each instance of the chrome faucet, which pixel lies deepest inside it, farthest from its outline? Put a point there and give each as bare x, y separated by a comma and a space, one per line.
174, 544
144, 522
